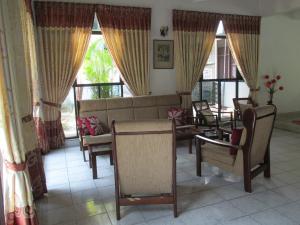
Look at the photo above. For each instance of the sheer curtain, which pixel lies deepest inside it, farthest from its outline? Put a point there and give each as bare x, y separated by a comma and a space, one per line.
126, 31
194, 35
243, 34
63, 34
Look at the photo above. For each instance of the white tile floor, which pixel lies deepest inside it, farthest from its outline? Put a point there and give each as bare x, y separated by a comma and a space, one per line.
217, 198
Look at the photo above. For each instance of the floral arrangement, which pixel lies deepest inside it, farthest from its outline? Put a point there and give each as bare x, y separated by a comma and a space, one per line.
271, 84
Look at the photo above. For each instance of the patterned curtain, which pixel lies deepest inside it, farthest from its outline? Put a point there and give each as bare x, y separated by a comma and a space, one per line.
19, 149
243, 37
194, 35
63, 34
126, 31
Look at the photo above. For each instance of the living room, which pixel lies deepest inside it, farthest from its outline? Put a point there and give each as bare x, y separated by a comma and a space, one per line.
145, 112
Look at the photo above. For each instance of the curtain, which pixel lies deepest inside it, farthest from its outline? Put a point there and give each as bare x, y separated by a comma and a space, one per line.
63, 33
243, 37
194, 35
17, 131
126, 31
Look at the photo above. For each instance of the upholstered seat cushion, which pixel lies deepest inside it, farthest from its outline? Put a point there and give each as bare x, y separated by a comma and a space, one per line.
217, 153
99, 139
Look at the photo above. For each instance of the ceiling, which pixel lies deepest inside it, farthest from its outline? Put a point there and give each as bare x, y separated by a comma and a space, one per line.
248, 7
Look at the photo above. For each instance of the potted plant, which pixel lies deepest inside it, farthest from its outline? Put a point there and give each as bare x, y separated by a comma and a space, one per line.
271, 84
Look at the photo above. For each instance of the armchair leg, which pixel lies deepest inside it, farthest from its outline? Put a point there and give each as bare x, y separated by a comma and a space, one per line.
118, 214
198, 157
175, 209
111, 158
247, 183
267, 172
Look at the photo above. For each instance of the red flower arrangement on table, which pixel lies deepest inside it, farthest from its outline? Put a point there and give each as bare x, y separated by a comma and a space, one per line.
271, 84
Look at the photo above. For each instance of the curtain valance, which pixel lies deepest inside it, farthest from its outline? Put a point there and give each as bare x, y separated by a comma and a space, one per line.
122, 17
63, 14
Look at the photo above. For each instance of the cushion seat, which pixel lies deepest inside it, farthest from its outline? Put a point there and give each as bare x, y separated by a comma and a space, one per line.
217, 153
99, 139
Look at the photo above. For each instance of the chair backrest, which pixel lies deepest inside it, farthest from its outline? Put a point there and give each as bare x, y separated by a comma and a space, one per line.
241, 105
259, 123
203, 111
144, 153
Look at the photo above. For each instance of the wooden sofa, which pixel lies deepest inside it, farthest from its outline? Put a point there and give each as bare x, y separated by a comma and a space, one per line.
123, 109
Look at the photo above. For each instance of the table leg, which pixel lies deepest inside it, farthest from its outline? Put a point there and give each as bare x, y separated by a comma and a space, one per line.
94, 166
111, 158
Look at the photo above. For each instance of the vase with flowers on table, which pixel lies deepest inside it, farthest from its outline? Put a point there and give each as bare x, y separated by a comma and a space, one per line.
272, 85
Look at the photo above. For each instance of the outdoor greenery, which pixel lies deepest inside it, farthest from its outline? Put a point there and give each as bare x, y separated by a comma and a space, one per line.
98, 65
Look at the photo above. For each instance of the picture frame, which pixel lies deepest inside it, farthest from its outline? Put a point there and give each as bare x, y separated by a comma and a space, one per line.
163, 54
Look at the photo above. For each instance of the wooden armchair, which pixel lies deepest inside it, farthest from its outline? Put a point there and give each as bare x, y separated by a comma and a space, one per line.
240, 106
205, 116
253, 153
145, 163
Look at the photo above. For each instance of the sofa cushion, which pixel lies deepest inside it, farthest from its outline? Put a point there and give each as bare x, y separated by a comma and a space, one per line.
82, 126
102, 117
99, 139
143, 101
235, 139
120, 115
169, 100
94, 125
145, 113
92, 105
118, 103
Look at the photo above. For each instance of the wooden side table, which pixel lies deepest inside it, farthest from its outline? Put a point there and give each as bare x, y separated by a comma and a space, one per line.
98, 149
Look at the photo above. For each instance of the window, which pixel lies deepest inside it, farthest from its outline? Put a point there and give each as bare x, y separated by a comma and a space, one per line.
221, 80
98, 77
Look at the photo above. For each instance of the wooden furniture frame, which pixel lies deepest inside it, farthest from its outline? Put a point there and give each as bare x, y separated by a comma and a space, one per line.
93, 157
167, 198
237, 109
200, 117
250, 119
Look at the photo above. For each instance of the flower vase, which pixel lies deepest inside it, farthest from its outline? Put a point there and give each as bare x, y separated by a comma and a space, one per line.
270, 102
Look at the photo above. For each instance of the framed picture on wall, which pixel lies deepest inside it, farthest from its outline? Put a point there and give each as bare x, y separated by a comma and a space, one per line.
163, 54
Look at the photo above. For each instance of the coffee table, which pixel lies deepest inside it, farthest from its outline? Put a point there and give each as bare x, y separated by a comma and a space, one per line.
94, 151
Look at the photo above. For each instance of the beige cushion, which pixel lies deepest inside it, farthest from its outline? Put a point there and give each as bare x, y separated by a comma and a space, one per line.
144, 161
92, 105
167, 100
99, 139
145, 113
143, 101
217, 153
118, 103
120, 115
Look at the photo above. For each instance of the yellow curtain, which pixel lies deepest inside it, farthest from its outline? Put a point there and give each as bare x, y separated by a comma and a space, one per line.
194, 35
17, 131
126, 31
243, 37
63, 33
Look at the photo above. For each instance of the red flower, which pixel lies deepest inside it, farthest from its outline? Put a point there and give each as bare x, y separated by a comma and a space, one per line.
273, 81
278, 77
281, 88
266, 77
268, 84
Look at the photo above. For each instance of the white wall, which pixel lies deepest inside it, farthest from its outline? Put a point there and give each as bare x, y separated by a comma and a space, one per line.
280, 53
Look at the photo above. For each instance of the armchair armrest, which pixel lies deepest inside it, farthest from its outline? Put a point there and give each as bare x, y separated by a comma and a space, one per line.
217, 142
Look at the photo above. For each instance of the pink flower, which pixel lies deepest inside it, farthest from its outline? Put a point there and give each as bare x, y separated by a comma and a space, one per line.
266, 77
278, 77
281, 88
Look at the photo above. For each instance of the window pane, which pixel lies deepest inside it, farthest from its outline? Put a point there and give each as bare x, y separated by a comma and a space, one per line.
226, 67
210, 92
68, 115
221, 30
96, 26
243, 90
228, 92
196, 92
98, 65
